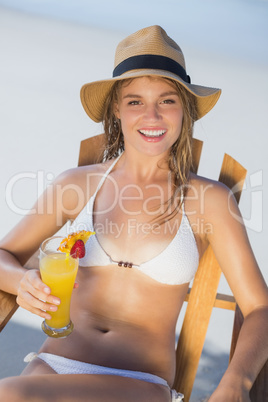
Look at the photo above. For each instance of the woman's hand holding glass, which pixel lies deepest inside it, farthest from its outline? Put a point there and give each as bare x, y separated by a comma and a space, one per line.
35, 296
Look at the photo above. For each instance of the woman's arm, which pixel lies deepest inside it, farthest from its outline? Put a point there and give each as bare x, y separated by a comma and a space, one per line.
230, 243
60, 202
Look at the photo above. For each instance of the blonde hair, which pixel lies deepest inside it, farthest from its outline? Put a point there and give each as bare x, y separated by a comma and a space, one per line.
180, 157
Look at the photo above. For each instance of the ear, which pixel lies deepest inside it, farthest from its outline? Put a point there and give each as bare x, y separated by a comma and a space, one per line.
116, 111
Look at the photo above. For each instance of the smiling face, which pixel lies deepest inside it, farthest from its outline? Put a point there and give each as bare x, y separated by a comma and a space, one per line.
151, 115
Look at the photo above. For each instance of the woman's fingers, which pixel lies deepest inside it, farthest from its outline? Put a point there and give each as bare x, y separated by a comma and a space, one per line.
34, 295
34, 305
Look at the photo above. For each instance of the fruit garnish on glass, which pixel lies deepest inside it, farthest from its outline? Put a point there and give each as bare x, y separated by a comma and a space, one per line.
74, 243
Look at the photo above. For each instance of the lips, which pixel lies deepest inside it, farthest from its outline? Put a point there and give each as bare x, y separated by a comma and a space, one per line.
152, 133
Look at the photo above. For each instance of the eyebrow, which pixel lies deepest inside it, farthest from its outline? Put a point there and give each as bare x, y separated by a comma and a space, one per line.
169, 93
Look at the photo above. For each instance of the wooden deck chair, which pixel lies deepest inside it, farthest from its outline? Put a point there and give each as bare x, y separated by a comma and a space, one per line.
201, 298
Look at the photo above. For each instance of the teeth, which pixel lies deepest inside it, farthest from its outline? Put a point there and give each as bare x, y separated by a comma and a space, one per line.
152, 133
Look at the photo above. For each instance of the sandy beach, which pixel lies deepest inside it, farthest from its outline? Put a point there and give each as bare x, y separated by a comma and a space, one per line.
45, 59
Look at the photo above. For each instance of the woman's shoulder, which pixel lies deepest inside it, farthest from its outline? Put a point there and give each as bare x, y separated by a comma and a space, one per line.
83, 175
74, 187
211, 196
213, 188
210, 206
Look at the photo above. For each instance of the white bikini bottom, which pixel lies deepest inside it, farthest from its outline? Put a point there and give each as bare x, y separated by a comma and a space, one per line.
62, 365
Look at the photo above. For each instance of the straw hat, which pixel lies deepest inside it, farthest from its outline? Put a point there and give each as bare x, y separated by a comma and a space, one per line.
149, 51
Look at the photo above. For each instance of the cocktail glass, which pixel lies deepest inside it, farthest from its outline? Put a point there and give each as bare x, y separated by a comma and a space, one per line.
58, 271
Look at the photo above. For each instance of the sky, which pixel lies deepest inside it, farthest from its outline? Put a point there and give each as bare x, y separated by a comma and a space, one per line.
237, 27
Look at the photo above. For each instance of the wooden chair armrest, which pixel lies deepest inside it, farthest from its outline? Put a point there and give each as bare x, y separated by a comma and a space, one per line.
259, 391
8, 306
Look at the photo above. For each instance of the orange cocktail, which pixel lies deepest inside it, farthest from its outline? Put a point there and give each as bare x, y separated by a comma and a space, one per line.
58, 271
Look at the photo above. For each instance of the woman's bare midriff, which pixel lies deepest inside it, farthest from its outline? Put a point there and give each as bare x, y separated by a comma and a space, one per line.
123, 321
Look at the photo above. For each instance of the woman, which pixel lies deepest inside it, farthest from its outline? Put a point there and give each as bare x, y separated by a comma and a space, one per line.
143, 202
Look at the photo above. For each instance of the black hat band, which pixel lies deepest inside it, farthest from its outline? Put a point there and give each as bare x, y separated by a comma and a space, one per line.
148, 61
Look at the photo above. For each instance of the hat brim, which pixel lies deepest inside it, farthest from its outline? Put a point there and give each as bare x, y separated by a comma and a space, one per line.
94, 94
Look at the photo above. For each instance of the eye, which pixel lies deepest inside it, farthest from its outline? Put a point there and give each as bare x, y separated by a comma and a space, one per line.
169, 101
134, 102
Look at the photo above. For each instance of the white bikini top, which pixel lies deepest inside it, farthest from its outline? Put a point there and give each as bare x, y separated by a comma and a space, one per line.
175, 265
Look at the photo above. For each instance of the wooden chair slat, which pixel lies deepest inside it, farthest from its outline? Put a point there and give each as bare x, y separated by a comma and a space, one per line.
197, 147
195, 323
238, 321
91, 150
233, 175
226, 302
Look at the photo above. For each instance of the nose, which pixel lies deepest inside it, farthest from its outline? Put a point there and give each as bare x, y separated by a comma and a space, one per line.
152, 112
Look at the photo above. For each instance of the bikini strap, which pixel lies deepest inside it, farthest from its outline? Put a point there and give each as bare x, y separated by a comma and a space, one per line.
106, 174
182, 203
